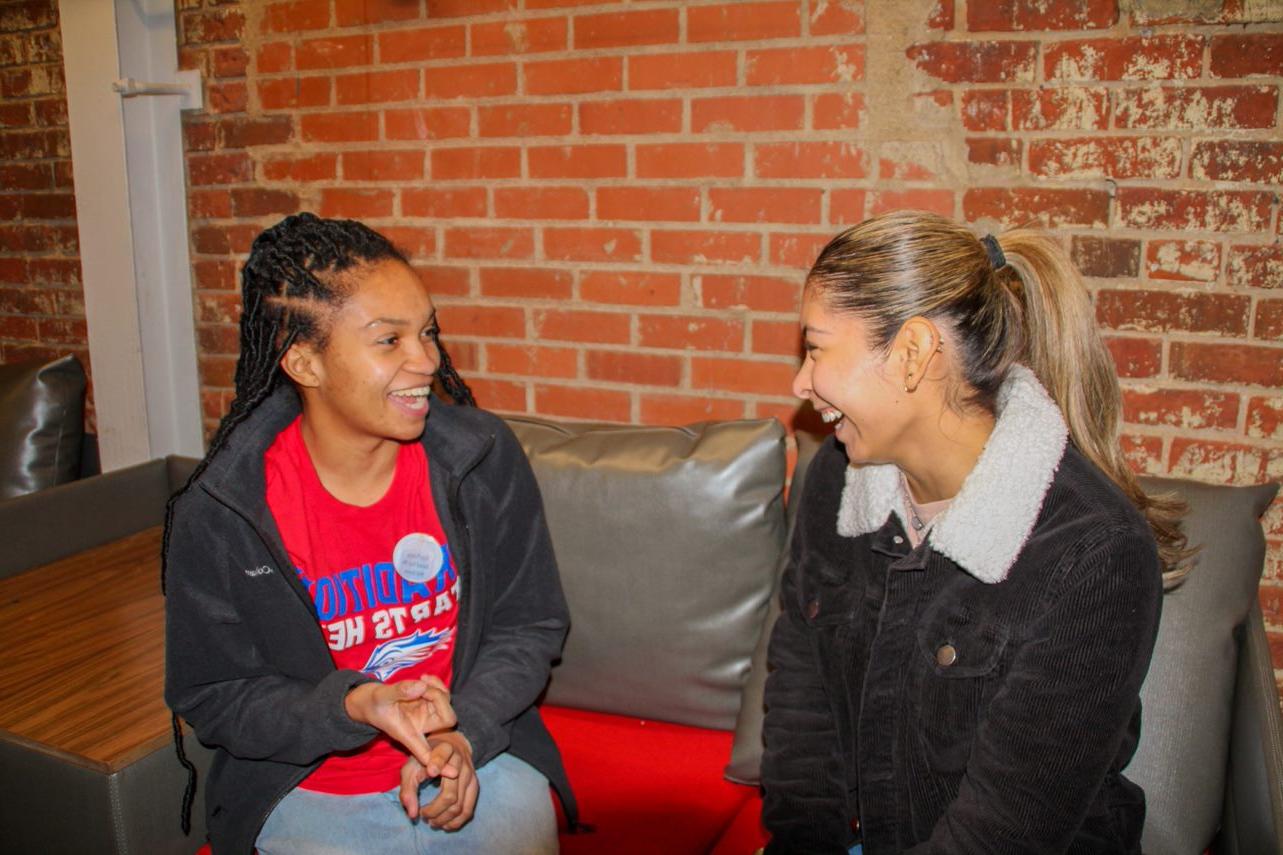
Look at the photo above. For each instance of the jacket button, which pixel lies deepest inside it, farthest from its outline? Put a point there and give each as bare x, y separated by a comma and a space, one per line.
946, 655
812, 609
897, 540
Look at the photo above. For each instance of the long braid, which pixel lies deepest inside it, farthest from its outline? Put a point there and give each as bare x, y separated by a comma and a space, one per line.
291, 277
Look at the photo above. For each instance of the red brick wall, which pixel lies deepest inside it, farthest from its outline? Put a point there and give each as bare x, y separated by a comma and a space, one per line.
615, 201
42, 312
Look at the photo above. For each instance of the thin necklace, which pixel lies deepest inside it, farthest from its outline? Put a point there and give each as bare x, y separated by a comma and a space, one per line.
914, 519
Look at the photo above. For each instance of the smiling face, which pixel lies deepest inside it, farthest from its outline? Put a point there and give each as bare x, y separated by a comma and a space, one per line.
370, 381
850, 384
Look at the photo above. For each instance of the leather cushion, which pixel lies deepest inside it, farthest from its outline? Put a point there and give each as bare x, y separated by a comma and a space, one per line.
667, 541
41, 424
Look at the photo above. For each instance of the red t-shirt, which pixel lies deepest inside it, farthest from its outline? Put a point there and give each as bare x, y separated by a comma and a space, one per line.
383, 583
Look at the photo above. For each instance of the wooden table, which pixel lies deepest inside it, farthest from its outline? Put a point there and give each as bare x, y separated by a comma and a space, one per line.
83, 667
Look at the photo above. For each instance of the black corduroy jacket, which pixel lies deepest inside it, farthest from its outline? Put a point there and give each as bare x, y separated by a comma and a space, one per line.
248, 666
979, 693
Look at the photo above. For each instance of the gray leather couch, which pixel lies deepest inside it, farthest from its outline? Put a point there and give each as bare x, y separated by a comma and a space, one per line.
669, 541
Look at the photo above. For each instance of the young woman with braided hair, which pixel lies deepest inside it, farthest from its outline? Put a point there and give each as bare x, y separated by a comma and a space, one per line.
975, 576
362, 603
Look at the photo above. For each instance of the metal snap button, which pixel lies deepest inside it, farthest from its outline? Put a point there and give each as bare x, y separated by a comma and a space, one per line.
946, 655
897, 540
812, 609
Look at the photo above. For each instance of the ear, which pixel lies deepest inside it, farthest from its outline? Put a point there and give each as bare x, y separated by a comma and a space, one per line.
919, 340
302, 364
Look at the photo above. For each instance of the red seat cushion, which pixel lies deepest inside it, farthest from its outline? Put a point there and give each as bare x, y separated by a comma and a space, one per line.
647, 786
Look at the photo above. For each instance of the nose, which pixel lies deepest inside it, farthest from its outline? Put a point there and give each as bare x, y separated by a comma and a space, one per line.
802, 380
423, 357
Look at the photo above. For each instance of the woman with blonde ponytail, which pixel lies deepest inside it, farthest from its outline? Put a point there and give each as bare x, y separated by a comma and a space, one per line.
975, 577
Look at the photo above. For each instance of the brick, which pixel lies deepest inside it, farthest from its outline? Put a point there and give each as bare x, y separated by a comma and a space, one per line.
26, 176
1216, 462
741, 375
317, 167
413, 241
1111, 157
15, 115
630, 117
1259, 162
468, 319
1014, 206
786, 66
835, 17
47, 206
296, 16
631, 288
743, 21
994, 151
470, 81
223, 25
386, 165
526, 282
1070, 108
1268, 323
1255, 266
489, 242
243, 132
377, 87
289, 93
334, 52
704, 247
218, 308
986, 110
810, 160
577, 325
574, 76
779, 338
976, 62
519, 37
209, 203
1144, 454
427, 124
257, 202
230, 61
653, 204
421, 45
274, 57
214, 275
226, 97
1187, 409
764, 204
440, 279
355, 13
1166, 57
682, 70
1239, 364
747, 114
532, 360
573, 402
592, 244
626, 29
55, 271
1107, 258
690, 332
687, 409
219, 169
541, 203
690, 160
1167, 311
339, 127
199, 135
578, 161
797, 251
1189, 210
19, 329
940, 201
1196, 108
471, 163
219, 338
499, 395
443, 203
1265, 418
558, 4
641, 368
837, 112
1247, 54
1015, 15
524, 120
846, 207
1189, 261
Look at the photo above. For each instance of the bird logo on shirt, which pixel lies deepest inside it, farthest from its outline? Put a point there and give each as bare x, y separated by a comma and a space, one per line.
391, 656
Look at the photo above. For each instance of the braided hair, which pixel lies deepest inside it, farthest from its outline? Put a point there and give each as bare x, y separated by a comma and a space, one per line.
297, 272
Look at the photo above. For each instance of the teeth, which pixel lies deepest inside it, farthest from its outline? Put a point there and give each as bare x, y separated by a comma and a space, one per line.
420, 392
830, 416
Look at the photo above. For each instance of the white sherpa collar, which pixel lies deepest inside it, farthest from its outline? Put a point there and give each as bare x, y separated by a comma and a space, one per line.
987, 523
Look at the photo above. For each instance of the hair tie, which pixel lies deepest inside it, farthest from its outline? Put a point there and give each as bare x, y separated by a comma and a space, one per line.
996, 257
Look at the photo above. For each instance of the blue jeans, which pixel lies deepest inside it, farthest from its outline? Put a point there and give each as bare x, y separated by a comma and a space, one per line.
514, 815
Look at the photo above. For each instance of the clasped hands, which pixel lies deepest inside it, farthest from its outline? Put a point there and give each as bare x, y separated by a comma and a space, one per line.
417, 714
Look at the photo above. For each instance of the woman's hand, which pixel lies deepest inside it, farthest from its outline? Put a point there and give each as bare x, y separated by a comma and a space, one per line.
405, 711
457, 797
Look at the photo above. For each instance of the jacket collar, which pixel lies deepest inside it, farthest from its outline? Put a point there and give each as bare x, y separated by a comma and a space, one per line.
988, 522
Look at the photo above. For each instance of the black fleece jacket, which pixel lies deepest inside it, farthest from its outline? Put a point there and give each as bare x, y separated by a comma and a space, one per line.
248, 667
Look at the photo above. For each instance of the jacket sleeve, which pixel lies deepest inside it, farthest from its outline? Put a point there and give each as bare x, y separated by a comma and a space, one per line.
804, 803
526, 617
216, 679
1058, 722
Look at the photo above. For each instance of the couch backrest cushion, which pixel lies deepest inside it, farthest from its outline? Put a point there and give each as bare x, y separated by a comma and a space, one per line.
1188, 695
667, 541
41, 424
